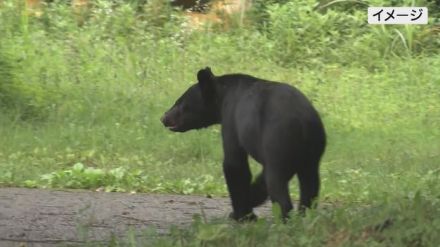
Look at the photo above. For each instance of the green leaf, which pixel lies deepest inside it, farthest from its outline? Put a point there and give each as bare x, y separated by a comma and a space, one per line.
78, 167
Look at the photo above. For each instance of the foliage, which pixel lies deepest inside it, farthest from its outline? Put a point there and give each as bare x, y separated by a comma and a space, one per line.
341, 36
20, 99
324, 33
120, 179
405, 221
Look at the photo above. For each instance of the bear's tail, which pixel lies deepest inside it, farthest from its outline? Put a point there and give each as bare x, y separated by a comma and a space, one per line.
258, 191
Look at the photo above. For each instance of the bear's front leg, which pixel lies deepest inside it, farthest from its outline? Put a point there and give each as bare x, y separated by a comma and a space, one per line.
238, 179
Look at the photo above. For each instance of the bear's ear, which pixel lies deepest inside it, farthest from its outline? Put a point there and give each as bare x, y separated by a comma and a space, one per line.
205, 75
206, 81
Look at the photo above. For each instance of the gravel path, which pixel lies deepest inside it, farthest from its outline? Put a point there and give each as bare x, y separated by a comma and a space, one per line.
35, 217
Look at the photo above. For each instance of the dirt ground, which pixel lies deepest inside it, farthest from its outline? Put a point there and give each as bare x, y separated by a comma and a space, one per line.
34, 217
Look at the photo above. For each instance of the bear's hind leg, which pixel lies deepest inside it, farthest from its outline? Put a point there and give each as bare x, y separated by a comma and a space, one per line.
309, 184
278, 188
258, 191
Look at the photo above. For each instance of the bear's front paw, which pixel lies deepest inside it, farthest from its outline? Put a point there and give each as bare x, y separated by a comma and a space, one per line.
246, 218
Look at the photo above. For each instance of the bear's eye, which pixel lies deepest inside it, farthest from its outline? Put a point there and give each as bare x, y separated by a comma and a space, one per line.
184, 107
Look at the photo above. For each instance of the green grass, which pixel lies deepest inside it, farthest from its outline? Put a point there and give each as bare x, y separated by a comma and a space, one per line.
404, 222
80, 108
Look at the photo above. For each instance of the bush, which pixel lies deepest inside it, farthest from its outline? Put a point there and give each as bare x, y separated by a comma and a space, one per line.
303, 36
309, 34
25, 100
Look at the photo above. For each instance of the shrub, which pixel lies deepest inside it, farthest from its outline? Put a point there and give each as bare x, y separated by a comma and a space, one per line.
25, 100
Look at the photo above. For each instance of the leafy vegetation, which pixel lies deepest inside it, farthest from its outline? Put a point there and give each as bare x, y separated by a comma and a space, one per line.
404, 222
81, 94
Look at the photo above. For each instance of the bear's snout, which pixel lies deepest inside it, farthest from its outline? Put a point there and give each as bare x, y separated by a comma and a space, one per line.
168, 121
165, 120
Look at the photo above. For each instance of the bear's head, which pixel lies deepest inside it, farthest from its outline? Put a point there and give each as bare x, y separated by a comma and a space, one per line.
197, 107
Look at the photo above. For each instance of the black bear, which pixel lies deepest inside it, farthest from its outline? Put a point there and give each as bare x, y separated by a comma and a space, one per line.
272, 122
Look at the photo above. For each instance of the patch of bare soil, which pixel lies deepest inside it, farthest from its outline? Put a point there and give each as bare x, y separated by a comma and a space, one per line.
34, 217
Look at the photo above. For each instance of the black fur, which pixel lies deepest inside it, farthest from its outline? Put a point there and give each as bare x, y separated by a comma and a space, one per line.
272, 122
